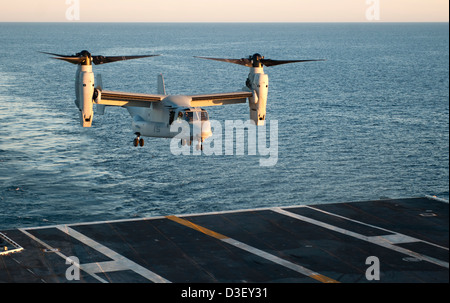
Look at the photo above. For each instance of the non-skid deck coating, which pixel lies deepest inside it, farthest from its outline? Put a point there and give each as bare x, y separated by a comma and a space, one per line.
327, 243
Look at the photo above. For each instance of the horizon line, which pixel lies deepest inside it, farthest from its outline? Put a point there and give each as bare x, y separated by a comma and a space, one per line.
268, 22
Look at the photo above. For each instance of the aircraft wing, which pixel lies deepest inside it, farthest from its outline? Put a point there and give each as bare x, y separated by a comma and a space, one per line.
220, 99
113, 98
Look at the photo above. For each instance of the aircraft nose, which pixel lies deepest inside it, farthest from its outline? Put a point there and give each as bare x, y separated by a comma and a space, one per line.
206, 129
202, 130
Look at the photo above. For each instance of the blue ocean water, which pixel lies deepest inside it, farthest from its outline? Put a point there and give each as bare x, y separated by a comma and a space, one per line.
370, 122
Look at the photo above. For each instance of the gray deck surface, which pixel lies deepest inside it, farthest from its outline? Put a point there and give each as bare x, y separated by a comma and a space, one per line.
311, 244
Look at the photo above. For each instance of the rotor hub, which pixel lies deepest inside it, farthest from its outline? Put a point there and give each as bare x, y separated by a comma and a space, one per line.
86, 57
256, 60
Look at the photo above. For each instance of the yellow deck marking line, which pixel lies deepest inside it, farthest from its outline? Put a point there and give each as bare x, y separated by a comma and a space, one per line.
298, 268
197, 227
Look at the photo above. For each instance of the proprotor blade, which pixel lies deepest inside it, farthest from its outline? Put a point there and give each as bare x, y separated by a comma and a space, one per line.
243, 61
73, 60
257, 61
103, 59
270, 62
58, 55
85, 58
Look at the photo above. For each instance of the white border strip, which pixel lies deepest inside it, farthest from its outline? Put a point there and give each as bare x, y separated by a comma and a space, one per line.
222, 212
436, 198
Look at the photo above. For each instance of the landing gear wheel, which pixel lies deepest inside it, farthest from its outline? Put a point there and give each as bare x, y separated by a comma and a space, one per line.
138, 141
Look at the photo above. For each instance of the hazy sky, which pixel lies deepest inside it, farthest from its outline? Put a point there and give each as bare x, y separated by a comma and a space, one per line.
225, 10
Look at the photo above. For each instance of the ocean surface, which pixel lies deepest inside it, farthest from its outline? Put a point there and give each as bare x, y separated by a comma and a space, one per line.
370, 122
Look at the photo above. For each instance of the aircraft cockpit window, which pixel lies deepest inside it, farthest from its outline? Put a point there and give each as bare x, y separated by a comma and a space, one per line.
189, 116
204, 115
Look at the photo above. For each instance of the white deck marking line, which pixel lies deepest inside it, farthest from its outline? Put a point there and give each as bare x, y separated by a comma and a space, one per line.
61, 255
96, 222
17, 247
374, 240
103, 267
121, 261
395, 238
436, 198
298, 268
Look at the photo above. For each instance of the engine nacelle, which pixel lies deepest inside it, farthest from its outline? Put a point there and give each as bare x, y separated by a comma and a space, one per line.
258, 103
84, 92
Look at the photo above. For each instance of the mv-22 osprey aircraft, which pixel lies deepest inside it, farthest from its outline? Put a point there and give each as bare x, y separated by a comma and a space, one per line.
153, 114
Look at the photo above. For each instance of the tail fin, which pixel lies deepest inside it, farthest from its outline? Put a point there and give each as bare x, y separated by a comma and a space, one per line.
100, 108
161, 85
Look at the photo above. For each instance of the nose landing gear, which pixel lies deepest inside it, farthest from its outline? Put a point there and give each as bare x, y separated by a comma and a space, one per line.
138, 141
199, 145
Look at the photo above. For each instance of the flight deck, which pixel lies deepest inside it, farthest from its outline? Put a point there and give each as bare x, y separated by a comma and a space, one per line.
392, 240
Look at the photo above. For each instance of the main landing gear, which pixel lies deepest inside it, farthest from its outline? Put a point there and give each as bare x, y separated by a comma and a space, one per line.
138, 141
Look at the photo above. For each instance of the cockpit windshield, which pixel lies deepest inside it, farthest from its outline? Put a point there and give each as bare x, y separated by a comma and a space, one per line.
191, 116
204, 115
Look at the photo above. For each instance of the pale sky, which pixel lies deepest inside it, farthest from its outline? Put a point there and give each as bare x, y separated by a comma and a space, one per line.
224, 10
